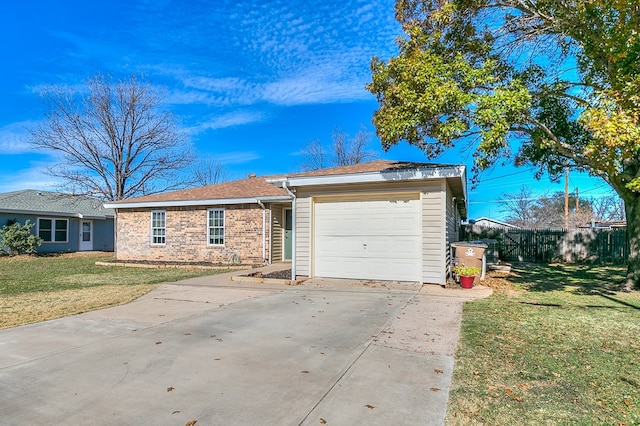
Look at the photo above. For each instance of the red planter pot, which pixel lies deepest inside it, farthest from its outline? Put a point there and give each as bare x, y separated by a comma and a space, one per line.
466, 282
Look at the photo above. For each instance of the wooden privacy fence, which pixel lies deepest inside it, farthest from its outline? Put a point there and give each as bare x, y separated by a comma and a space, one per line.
545, 246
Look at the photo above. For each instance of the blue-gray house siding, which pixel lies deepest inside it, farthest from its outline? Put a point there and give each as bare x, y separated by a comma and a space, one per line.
58, 219
103, 232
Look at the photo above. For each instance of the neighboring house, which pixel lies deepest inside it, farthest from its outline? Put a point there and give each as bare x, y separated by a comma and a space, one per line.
486, 222
612, 224
66, 223
383, 220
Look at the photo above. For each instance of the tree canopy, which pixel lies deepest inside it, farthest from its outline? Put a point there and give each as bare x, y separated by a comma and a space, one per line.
549, 83
114, 138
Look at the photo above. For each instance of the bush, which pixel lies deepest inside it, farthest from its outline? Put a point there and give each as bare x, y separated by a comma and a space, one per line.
18, 239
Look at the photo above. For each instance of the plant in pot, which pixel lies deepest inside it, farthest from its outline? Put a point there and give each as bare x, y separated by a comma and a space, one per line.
466, 274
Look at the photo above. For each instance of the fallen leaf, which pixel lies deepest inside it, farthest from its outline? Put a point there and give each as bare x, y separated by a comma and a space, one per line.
216, 359
626, 402
435, 370
187, 334
170, 388
157, 343
434, 389
323, 421
512, 395
370, 407
176, 412
305, 372
191, 423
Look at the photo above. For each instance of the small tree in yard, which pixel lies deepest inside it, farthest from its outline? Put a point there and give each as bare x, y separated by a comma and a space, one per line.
18, 238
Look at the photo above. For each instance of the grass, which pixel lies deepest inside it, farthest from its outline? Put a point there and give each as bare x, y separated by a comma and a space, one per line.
556, 345
39, 288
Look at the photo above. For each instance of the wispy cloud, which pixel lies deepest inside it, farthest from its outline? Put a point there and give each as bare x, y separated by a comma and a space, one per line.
237, 157
235, 118
14, 138
280, 52
33, 177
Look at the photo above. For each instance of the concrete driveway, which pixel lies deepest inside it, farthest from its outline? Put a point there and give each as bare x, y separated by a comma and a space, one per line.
222, 353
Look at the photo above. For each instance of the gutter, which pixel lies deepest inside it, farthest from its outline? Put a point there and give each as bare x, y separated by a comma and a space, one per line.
199, 202
293, 229
56, 214
282, 182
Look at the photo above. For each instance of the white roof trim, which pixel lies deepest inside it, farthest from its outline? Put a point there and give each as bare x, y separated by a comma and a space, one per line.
496, 221
380, 176
56, 214
207, 202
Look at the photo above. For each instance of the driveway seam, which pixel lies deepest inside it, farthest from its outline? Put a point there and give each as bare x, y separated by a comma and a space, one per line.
372, 341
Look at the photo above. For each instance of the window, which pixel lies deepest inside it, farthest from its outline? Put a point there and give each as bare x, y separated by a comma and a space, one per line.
53, 230
158, 227
216, 227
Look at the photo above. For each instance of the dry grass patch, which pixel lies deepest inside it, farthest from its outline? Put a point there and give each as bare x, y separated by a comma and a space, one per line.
38, 288
35, 307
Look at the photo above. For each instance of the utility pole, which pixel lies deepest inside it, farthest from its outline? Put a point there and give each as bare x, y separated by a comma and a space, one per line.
566, 198
577, 207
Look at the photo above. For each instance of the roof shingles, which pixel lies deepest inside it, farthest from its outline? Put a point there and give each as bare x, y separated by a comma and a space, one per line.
252, 187
43, 202
257, 187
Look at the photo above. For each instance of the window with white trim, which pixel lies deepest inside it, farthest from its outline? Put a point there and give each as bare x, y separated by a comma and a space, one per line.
215, 228
53, 230
158, 227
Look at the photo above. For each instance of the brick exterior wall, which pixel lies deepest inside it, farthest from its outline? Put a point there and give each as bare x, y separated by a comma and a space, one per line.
186, 235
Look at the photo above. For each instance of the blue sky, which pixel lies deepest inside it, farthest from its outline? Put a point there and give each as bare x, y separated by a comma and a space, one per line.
252, 82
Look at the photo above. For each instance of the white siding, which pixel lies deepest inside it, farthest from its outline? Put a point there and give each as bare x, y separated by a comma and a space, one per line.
303, 236
432, 232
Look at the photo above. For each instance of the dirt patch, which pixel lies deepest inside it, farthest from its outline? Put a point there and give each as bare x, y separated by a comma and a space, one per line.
284, 274
425, 325
501, 282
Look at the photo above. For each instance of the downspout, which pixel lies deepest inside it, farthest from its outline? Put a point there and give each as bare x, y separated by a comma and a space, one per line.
293, 229
264, 234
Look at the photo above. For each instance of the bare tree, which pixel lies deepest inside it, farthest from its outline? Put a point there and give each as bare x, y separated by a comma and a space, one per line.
608, 208
115, 140
354, 150
209, 171
527, 211
519, 207
346, 151
315, 157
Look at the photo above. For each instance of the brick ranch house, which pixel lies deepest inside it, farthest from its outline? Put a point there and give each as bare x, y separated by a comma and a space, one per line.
383, 220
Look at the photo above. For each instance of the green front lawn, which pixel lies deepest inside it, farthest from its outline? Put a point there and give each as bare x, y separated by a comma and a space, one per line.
556, 346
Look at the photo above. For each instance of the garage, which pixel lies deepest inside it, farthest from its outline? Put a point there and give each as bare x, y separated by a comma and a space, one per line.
373, 237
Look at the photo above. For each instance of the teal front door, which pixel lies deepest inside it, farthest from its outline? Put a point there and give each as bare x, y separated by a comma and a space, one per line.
288, 234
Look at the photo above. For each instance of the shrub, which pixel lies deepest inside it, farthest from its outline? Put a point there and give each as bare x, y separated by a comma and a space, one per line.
18, 239
465, 271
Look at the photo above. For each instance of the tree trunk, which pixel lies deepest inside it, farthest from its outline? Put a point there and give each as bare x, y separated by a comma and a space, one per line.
632, 208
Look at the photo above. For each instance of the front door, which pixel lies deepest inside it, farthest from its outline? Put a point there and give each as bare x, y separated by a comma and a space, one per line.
288, 234
86, 235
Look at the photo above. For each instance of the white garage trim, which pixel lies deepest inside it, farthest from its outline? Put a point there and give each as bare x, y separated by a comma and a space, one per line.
373, 236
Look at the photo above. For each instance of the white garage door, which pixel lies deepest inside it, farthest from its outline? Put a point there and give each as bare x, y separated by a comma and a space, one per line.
370, 238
